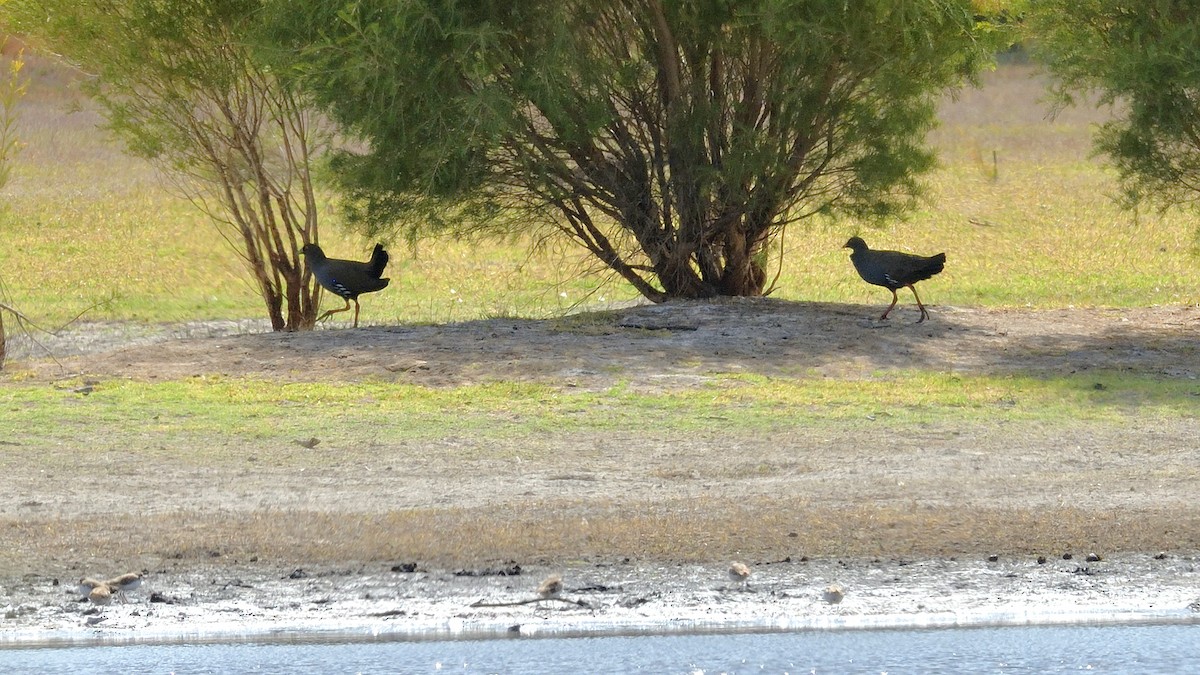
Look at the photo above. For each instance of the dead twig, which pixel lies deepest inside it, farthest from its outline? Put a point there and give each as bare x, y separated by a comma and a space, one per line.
28, 327
530, 601
78, 316
25, 324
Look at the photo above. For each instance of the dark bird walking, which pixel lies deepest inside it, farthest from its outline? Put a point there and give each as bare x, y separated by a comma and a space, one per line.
347, 278
894, 270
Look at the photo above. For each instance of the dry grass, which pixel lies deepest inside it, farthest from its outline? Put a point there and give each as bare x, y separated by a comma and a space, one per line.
1036, 228
682, 531
84, 226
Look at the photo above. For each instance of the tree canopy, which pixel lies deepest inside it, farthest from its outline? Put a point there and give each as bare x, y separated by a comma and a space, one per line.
672, 139
1144, 57
178, 83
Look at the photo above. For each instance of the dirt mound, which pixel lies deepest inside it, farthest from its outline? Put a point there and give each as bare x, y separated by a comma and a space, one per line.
673, 342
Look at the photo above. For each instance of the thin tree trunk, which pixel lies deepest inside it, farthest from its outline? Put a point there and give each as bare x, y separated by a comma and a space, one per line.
742, 275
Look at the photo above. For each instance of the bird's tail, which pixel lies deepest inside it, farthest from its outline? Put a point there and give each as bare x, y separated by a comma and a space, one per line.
934, 265
379, 260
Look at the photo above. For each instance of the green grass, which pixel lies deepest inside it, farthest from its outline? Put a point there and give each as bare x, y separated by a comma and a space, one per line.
84, 227
212, 420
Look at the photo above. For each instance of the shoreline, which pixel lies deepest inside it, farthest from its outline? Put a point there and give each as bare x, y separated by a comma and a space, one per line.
318, 633
265, 604
221, 515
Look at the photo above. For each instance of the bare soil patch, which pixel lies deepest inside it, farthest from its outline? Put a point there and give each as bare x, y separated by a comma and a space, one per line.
678, 341
861, 490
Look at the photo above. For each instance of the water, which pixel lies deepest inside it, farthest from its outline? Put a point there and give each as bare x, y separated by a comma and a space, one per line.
1051, 649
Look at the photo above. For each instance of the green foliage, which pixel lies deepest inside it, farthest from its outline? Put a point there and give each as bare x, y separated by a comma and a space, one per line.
177, 83
1144, 58
1043, 233
673, 140
12, 89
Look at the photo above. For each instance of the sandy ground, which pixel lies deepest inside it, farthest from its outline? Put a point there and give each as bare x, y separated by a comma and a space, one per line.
1124, 491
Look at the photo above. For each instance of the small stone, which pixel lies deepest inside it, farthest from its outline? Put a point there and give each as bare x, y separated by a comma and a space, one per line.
1041, 560
993, 558
1067, 556
1092, 557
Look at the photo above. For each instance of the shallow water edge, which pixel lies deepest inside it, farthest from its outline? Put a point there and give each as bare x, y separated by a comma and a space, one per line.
317, 632
268, 604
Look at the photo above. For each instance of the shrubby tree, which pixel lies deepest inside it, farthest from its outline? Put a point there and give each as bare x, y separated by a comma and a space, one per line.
177, 82
1145, 57
12, 89
673, 139
13, 85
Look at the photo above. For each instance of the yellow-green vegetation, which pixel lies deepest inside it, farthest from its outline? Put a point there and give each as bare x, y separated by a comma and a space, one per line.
12, 89
1020, 208
213, 420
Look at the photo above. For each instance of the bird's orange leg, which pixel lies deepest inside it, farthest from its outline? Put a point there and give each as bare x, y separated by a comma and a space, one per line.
355, 311
891, 306
334, 311
924, 312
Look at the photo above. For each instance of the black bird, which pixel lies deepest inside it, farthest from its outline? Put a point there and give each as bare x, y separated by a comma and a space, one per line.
347, 278
894, 270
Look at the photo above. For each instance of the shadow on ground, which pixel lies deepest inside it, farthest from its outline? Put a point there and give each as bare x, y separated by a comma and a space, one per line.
659, 344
